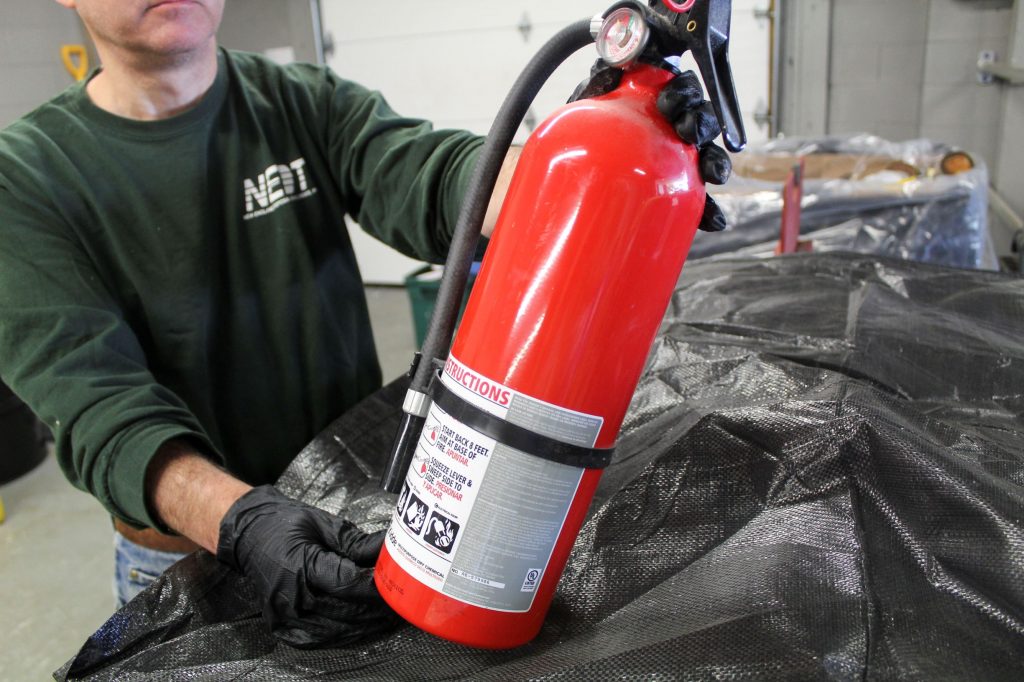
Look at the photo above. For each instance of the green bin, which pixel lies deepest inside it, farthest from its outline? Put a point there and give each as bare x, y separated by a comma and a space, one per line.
423, 285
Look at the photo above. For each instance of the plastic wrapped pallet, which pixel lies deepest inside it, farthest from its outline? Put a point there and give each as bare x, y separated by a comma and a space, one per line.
861, 194
820, 477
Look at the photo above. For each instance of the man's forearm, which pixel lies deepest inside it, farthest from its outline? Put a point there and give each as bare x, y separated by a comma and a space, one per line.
508, 167
191, 494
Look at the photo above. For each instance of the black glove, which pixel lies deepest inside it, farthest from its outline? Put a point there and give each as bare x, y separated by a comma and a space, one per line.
312, 570
682, 103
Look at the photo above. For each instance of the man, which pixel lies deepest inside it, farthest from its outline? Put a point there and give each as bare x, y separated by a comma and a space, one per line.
179, 300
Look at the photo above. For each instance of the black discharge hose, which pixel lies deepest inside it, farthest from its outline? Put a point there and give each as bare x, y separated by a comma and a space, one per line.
467, 234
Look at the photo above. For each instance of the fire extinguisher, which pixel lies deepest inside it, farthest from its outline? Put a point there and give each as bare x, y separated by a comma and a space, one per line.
504, 439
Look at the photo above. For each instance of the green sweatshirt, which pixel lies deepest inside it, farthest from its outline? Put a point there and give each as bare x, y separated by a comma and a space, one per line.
193, 278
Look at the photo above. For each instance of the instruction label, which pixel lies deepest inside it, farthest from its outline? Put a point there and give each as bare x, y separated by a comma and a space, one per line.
476, 519
568, 426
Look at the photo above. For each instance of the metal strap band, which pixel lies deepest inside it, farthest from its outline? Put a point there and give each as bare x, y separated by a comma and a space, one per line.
516, 436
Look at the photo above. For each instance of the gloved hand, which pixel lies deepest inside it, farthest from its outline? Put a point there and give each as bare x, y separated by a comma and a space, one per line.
682, 102
312, 570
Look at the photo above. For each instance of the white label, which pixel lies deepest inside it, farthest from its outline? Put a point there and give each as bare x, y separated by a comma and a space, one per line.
477, 520
568, 426
437, 496
476, 389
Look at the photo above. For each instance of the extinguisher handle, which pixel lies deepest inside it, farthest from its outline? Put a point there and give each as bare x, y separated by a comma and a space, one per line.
710, 49
702, 28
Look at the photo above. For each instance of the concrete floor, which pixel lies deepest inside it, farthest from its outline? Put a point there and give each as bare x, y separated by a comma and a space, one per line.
56, 565
56, 551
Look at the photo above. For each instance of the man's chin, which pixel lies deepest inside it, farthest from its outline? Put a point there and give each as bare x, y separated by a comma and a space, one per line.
177, 48
176, 32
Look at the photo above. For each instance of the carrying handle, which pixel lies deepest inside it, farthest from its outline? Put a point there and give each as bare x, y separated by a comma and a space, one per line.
702, 27
711, 52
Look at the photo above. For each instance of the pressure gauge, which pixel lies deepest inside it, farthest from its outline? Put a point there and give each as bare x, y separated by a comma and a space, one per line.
622, 37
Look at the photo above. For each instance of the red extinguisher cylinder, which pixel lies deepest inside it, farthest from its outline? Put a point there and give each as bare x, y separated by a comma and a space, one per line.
598, 220
594, 231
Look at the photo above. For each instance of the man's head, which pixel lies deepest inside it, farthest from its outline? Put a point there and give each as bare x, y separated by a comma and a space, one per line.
150, 29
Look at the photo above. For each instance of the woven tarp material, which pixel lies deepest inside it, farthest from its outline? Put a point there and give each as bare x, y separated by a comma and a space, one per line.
820, 477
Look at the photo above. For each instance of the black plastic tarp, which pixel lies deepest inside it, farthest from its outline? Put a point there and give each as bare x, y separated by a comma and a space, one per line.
820, 477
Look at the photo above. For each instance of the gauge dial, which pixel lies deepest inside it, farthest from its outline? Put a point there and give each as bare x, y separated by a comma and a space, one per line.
623, 37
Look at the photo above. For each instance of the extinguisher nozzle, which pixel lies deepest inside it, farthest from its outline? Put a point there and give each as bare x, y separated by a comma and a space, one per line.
402, 451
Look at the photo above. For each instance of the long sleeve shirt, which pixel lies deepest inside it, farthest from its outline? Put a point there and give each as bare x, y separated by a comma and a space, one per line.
193, 278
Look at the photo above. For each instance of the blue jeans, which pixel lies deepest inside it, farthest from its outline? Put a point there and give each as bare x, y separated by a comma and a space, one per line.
136, 567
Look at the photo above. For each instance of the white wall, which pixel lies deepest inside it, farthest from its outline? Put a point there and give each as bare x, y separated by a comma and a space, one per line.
261, 25
876, 67
954, 107
908, 69
1010, 168
903, 69
804, 71
31, 70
